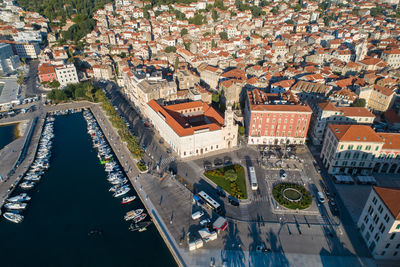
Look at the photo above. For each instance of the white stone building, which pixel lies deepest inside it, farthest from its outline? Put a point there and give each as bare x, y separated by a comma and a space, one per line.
379, 223
27, 50
8, 61
193, 128
66, 74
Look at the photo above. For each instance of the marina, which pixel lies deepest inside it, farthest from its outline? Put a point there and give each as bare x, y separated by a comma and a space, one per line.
76, 186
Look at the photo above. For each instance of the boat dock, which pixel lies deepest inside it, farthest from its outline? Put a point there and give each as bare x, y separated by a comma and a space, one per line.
149, 193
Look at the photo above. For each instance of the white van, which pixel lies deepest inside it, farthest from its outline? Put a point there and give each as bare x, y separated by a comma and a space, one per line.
197, 215
320, 197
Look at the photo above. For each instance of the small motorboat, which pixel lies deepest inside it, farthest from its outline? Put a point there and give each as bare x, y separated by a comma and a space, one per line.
140, 218
13, 217
140, 226
15, 205
133, 214
127, 200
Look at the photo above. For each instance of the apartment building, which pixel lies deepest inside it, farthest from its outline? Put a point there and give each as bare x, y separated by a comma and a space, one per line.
8, 61
275, 119
358, 149
47, 73
27, 50
326, 113
378, 98
379, 223
392, 57
66, 74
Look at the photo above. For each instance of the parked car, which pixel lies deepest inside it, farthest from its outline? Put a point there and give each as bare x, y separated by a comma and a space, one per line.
233, 201
218, 162
169, 151
205, 222
320, 197
282, 174
221, 192
227, 160
197, 215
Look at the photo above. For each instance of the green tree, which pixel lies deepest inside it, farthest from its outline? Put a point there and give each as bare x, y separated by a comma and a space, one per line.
213, 44
170, 49
219, 4
290, 21
57, 95
214, 15
297, 8
223, 35
359, 102
54, 84
20, 77
184, 31
215, 97
198, 19
176, 65
241, 130
187, 45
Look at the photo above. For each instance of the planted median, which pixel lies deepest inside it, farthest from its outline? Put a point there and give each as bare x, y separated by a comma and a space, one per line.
292, 196
231, 179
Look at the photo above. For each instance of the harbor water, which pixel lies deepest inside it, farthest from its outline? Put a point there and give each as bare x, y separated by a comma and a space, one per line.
73, 219
7, 134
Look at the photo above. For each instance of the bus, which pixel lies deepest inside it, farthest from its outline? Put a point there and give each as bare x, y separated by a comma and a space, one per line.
253, 178
209, 201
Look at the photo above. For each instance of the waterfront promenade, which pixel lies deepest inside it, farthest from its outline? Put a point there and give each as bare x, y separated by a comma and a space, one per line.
170, 205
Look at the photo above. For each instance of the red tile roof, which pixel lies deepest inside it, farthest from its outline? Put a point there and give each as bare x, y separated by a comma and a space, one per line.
355, 133
392, 140
187, 125
391, 198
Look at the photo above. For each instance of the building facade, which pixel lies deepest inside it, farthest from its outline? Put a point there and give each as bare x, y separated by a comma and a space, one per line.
358, 149
66, 74
274, 119
27, 50
327, 113
8, 61
193, 128
47, 73
379, 223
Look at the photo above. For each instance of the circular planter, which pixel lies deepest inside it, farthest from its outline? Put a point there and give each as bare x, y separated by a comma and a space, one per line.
292, 196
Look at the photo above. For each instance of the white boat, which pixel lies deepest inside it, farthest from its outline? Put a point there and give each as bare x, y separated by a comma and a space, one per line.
27, 185
13, 217
122, 191
132, 214
127, 200
15, 205
20, 198
116, 187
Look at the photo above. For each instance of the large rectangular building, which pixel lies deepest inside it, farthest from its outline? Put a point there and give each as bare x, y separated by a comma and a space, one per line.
379, 223
66, 74
326, 113
358, 149
276, 118
193, 128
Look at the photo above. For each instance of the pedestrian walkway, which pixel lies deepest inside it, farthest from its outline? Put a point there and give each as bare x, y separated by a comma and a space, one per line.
164, 162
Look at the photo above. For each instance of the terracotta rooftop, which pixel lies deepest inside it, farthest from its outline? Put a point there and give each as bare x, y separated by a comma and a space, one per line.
186, 118
391, 198
355, 133
392, 140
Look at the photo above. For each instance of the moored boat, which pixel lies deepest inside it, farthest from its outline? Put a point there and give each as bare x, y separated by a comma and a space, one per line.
127, 200
140, 218
19, 198
15, 205
133, 214
13, 217
122, 191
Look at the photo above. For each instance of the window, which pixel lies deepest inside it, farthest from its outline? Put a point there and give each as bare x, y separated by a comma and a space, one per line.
395, 254
377, 237
374, 200
398, 227
341, 147
371, 228
398, 246
380, 209
383, 253
359, 147
392, 236
350, 147
368, 148
386, 218
387, 245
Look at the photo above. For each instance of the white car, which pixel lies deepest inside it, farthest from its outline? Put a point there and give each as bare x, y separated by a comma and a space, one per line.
204, 222
197, 215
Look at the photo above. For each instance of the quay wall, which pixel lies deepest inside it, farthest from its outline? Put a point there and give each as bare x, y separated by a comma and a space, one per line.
158, 222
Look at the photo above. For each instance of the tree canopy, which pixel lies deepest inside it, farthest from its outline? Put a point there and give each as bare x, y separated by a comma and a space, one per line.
65, 9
